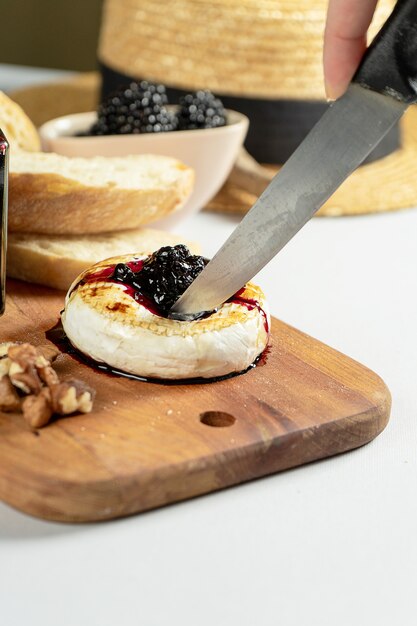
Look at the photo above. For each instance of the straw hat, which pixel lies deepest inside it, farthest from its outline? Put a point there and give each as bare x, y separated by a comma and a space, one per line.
251, 48
263, 57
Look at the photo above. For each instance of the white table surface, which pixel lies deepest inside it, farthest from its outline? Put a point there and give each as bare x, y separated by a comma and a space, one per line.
331, 543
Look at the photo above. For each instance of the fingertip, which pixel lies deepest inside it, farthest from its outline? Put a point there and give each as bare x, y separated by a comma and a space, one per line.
333, 92
330, 93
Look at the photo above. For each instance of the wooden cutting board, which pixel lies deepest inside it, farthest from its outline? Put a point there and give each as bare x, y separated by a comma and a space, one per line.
148, 444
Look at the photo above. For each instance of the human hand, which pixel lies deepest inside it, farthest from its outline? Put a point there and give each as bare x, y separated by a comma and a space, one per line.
345, 42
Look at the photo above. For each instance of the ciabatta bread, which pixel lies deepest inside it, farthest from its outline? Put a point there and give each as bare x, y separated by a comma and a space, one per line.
55, 261
54, 194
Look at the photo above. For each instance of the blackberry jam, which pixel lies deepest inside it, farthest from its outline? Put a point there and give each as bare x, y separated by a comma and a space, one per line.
158, 281
167, 274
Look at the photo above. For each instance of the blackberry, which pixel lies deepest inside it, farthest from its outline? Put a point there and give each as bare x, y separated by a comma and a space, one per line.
168, 273
200, 110
123, 274
164, 276
138, 108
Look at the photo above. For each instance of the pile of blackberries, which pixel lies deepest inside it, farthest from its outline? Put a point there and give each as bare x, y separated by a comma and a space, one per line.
142, 108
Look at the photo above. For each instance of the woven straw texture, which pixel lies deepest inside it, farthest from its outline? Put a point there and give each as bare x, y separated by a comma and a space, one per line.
384, 185
261, 48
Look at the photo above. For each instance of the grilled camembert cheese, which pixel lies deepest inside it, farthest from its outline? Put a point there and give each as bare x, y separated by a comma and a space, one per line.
112, 322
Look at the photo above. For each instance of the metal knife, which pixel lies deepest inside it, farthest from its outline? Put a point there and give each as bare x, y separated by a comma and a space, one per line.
382, 89
4, 178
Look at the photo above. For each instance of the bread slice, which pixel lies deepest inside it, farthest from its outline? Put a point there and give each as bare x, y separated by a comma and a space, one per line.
56, 261
55, 194
18, 128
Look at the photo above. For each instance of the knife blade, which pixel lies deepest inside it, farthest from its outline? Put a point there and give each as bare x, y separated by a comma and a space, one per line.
344, 136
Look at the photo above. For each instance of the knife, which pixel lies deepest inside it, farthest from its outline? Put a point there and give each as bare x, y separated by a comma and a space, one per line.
381, 90
4, 176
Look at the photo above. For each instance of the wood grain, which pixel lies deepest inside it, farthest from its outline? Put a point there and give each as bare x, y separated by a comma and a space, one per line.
146, 444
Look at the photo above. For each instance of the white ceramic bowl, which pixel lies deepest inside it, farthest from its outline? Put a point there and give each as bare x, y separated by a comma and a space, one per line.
211, 152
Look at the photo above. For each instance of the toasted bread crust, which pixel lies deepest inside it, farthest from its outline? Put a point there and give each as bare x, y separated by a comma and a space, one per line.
56, 263
34, 267
52, 194
18, 128
54, 204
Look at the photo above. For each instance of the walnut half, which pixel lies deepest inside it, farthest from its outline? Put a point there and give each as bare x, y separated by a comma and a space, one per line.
48, 351
37, 410
22, 370
29, 367
71, 396
9, 400
29, 370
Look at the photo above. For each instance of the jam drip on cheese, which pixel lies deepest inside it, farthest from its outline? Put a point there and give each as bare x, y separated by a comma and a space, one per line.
158, 281
250, 304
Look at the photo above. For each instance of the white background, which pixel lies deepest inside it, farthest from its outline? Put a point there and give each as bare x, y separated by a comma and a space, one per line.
331, 543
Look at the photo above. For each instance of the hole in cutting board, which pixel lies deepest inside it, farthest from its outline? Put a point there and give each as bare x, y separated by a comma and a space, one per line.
217, 419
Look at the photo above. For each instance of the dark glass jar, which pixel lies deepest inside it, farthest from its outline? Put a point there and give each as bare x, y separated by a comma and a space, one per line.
4, 171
